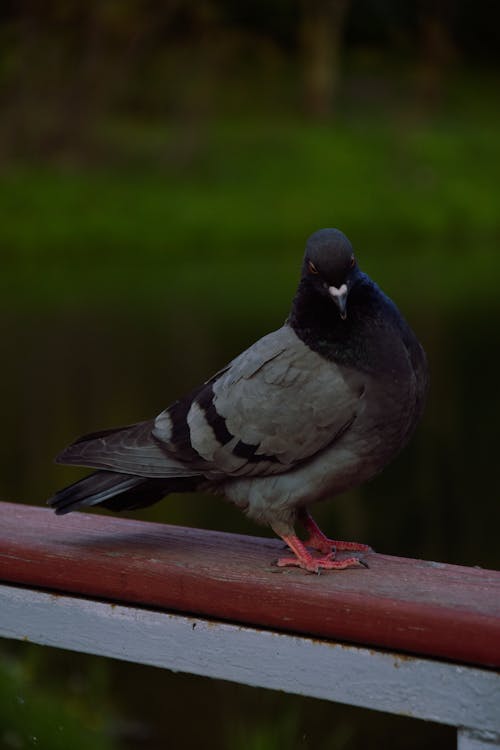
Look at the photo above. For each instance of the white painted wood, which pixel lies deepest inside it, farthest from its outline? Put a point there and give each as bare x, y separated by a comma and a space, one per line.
421, 688
473, 740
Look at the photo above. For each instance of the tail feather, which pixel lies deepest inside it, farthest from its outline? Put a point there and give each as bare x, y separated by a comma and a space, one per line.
117, 491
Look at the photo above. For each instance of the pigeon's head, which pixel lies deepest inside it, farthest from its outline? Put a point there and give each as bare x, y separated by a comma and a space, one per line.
330, 266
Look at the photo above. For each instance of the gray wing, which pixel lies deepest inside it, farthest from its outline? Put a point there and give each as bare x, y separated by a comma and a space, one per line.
128, 450
273, 407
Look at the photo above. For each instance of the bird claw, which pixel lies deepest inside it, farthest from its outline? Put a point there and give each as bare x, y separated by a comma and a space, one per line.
323, 544
317, 564
318, 541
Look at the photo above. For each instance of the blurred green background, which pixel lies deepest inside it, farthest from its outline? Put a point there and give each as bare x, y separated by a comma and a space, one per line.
161, 165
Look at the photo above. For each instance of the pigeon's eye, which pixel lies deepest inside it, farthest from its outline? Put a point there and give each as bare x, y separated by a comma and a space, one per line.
312, 268
353, 261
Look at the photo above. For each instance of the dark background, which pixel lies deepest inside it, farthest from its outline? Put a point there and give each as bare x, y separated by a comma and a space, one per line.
161, 165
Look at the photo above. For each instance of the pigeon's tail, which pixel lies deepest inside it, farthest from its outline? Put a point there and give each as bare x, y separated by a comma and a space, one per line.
118, 491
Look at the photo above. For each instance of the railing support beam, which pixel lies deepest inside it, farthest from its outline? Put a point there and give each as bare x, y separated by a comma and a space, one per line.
422, 688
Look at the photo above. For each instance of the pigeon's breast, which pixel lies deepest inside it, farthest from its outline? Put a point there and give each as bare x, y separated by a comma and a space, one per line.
389, 403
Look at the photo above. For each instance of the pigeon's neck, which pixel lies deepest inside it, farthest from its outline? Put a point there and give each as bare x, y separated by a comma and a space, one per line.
316, 320
314, 317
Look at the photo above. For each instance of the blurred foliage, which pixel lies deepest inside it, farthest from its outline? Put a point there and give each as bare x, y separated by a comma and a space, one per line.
67, 65
38, 714
418, 201
139, 137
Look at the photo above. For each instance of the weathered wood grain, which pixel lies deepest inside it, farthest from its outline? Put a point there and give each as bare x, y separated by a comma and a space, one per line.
406, 605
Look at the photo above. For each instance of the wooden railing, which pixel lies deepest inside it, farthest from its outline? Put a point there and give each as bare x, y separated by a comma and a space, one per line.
405, 636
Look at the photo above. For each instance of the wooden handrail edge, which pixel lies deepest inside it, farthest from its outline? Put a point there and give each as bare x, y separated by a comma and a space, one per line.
412, 606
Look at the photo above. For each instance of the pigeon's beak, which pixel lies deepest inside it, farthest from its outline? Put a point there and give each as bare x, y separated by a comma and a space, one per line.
339, 296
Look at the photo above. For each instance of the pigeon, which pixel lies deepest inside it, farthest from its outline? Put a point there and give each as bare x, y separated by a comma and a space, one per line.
309, 411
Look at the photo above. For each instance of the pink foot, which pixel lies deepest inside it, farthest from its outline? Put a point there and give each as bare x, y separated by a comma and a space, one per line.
315, 564
349, 546
317, 540
303, 558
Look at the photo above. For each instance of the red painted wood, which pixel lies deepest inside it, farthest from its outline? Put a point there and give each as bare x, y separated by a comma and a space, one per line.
414, 606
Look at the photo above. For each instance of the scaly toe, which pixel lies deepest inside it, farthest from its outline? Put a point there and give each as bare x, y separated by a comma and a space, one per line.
326, 546
350, 546
315, 565
327, 563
